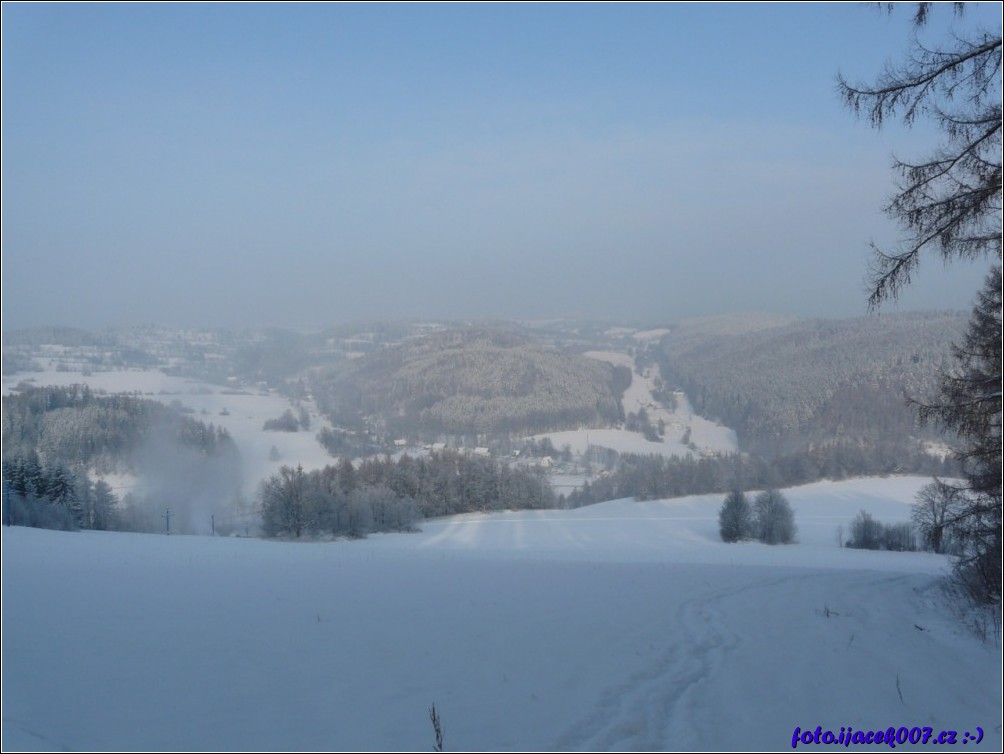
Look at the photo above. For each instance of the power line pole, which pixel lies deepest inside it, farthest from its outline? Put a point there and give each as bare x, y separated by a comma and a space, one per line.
167, 517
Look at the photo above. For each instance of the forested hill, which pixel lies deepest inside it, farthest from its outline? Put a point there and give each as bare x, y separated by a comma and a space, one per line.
476, 380
794, 384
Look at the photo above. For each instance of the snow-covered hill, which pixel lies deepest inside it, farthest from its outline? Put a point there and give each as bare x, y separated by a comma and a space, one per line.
683, 430
620, 626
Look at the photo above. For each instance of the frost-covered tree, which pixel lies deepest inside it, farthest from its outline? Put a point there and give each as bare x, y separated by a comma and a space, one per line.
60, 489
773, 518
735, 518
284, 502
360, 514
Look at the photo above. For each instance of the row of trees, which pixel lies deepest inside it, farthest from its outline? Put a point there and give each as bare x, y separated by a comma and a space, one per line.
386, 495
295, 502
654, 477
868, 533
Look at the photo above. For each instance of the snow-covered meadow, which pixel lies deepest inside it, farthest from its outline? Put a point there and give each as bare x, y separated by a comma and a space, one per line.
619, 626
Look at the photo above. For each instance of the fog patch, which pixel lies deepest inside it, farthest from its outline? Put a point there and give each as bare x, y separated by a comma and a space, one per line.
188, 471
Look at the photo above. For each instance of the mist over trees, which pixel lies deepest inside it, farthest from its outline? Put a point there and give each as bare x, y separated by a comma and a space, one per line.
54, 438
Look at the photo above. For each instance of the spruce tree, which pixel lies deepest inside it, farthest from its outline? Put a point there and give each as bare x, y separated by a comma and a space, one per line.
970, 406
735, 517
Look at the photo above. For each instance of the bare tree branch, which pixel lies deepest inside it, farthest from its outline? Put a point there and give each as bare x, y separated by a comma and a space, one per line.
949, 202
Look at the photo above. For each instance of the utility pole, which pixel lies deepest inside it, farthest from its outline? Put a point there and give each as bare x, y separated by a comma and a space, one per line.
167, 517
213, 519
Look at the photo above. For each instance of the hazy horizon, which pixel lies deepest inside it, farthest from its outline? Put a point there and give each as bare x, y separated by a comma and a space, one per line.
251, 165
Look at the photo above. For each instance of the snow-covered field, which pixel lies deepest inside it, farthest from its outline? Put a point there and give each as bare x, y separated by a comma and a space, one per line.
620, 626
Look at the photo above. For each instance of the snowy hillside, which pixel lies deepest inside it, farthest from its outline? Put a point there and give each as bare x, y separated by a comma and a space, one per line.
681, 425
620, 626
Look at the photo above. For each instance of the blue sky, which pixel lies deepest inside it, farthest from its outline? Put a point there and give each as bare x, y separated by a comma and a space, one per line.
310, 164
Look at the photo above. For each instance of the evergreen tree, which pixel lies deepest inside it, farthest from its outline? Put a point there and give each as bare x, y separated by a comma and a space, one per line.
970, 406
735, 517
102, 506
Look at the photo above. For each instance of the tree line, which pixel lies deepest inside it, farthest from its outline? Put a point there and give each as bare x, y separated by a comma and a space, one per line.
654, 477
375, 495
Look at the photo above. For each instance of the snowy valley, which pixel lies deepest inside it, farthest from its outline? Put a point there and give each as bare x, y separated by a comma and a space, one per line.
621, 625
